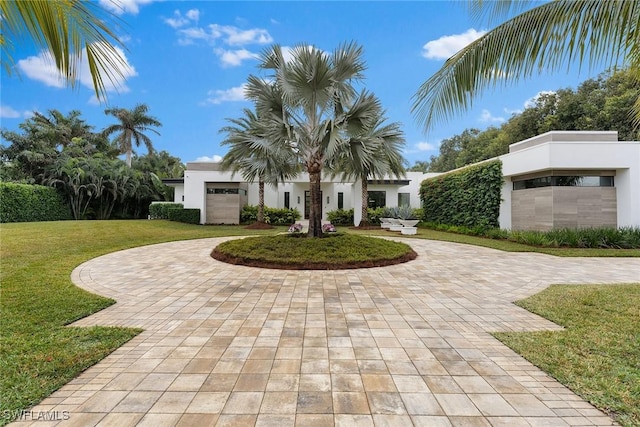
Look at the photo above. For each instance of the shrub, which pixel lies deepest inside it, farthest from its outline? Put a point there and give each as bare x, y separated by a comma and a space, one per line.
273, 216
190, 216
160, 210
469, 197
340, 217
27, 203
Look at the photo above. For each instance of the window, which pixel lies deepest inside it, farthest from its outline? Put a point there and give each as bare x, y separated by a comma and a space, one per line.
287, 196
564, 181
377, 199
226, 191
340, 200
404, 199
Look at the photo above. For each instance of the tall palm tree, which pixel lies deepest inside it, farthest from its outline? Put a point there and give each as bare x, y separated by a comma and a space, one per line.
65, 29
131, 127
304, 99
374, 150
540, 40
255, 156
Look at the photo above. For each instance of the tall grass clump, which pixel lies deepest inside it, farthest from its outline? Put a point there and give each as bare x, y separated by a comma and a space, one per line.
587, 238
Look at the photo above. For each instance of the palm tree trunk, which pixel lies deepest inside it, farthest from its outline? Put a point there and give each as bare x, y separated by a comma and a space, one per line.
260, 200
128, 160
364, 206
314, 168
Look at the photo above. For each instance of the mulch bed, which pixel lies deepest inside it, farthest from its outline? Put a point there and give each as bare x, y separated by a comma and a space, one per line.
259, 226
310, 265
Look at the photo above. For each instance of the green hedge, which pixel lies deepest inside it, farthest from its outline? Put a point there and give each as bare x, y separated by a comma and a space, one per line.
469, 197
160, 210
27, 203
274, 216
345, 217
190, 216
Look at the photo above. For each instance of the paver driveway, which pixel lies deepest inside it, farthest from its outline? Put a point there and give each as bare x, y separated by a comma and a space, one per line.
392, 346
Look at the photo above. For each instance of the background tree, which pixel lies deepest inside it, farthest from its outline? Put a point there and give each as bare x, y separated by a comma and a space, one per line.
540, 40
133, 124
305, 101
255, 157
68, 30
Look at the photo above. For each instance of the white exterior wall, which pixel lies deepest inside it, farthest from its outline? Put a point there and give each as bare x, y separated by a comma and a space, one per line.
623, 157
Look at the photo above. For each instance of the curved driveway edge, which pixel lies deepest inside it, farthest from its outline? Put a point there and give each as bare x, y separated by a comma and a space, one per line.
390, 346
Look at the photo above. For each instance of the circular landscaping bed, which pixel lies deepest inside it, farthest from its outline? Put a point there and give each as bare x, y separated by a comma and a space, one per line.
298, 252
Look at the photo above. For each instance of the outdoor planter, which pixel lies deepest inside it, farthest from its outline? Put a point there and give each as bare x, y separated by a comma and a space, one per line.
409, 230
409, 222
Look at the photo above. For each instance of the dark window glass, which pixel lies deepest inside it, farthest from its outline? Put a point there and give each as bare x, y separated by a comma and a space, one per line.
564, 181
340, 200
286, 199
225, 191
377, 199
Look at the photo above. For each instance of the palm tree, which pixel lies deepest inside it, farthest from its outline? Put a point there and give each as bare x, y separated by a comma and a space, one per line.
304, 101
540, 40
255, 156
374, 151
66, 29
131, 127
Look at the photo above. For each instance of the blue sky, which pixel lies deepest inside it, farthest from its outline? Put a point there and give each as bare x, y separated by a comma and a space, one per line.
189, 60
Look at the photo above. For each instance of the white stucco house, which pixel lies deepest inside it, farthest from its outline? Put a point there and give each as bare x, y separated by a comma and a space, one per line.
555, 180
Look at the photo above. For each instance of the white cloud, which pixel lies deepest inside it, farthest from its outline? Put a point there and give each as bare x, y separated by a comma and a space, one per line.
425, 146
228, 95
178, 20
7, 112
447, 46
531, 102
227, 34
214, 158
487, 117
120, 7
511, 112
234, 58
42, 68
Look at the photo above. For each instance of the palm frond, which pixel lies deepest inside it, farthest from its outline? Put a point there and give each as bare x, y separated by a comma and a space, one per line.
540, 40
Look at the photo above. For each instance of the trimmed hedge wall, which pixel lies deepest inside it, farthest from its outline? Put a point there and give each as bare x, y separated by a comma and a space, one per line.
190, 216
28, 203
273, 216
160, 210
469, 197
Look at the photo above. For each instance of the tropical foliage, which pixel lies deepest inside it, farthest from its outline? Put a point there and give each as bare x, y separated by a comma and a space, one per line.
64, 152
603, 103
309, 106
541, 40
69, 32
253, 154
373, 150
130, 129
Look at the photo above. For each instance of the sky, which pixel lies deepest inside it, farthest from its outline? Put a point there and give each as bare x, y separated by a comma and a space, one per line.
188, 61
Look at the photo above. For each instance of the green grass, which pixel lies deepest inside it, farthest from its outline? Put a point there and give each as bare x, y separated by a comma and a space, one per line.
598, 355
505, 245
38, 354
332, 251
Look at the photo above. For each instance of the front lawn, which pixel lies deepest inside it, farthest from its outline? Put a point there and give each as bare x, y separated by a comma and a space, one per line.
598, 355
38, 354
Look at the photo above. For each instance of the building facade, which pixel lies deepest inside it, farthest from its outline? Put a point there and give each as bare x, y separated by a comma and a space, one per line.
561, 179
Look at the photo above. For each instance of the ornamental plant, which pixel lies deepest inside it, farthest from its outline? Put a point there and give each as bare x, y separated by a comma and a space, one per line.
295, 228
328, 228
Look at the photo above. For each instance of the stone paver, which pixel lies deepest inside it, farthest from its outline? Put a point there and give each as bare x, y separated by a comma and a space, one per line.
394, 346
